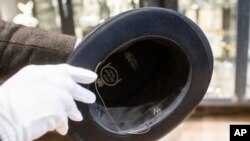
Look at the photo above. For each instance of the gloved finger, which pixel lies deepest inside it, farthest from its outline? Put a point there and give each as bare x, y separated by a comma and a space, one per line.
74, 114
83, 95
62, 125
80, 75
70, 107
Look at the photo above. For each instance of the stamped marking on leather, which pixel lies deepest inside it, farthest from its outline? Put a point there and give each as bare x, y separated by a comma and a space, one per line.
131, 59
99, 82
109, 76
156, 111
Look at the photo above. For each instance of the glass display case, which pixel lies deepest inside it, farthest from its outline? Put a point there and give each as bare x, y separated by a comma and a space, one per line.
46, 11
217, 18
90, 13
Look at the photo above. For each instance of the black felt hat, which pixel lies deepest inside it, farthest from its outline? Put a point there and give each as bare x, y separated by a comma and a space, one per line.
154, 67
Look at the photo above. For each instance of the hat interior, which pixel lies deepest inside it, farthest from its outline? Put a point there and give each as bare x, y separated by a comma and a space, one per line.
138, 83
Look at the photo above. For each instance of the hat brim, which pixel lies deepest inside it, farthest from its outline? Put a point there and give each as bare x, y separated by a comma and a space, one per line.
183, 38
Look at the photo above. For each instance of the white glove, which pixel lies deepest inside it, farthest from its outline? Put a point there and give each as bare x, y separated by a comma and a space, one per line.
39, 99
78, 40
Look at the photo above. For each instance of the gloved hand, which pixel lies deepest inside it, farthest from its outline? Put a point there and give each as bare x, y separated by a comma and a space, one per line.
39, 99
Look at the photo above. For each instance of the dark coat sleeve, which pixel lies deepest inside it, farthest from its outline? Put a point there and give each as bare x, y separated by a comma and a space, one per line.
21, 46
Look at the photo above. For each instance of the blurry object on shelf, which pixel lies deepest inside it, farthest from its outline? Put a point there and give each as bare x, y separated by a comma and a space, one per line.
26, 17
104, 11
89, 13
47, 12
217, 18
8, 9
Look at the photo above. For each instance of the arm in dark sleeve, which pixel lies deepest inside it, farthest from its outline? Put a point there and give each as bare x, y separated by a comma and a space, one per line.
21, 46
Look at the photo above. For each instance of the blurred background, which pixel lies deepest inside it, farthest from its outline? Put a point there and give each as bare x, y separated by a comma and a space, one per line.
225, 23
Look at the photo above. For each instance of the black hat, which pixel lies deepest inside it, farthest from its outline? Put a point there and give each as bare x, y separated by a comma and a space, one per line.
154, 67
